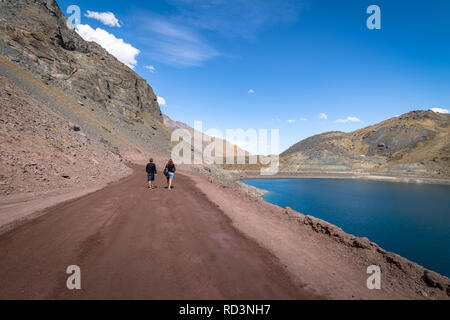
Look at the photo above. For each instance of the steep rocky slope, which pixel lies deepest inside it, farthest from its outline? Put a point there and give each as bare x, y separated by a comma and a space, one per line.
107, 97
71, 114
41, 151
414, 144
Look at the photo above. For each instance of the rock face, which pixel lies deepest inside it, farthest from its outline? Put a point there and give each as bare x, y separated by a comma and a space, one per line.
42, 152
34, 35
414, 144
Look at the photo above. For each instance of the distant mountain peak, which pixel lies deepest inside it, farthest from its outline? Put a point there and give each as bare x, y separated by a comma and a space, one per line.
413, 144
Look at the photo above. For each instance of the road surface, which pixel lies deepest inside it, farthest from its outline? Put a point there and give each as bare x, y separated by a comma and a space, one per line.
133, 243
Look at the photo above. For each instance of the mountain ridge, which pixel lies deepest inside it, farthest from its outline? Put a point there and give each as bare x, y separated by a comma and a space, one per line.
207, 140
72, 115
415, 143
35, 36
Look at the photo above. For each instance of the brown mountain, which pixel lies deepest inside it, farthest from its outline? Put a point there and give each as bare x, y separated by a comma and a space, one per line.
101, 94
207, 140
70, 112
414, 144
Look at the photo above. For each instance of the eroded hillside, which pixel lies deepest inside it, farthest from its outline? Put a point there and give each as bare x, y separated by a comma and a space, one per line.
108, 97
41, 151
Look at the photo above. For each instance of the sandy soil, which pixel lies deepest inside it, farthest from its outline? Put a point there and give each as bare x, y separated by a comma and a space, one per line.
135, 243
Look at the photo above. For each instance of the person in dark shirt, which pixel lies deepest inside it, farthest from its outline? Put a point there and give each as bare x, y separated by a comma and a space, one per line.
170, 172
151, 171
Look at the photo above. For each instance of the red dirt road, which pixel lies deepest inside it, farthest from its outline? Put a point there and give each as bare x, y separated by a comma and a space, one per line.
133, 243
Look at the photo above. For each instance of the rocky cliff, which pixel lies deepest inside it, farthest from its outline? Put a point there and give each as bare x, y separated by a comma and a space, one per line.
71, 114
414, 144
207, 140
110, 99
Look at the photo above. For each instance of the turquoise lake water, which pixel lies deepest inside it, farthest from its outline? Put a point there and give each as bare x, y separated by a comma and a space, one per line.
412, 220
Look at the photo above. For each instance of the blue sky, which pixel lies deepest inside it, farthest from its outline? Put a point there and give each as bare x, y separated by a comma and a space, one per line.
281, 64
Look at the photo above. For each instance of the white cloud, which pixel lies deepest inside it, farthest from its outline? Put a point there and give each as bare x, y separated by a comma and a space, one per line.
291, 121
349, 119
180, 36
303, 119
150, 68
175, 44
276, 119
251, 91
123, 51
440, 110
107, 18
244, 18
162, 101
323, 116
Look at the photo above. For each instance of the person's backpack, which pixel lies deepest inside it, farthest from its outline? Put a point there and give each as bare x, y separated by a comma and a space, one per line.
166, 171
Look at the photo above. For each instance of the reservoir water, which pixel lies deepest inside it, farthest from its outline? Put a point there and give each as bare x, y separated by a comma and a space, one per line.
412, 220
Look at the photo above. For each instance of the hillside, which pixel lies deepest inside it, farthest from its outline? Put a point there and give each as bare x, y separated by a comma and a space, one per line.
41, 151
71, 114
98, 92
414, 144
207, 140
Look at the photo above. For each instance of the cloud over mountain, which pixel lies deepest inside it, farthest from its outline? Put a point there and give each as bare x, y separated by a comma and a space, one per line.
348, 119
107, 18
123, 51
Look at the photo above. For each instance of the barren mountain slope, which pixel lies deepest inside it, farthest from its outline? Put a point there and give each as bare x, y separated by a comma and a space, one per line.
42, 152
34, 35
414, 144
207, 140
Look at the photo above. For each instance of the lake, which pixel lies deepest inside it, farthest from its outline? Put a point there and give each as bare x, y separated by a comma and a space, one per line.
412, 220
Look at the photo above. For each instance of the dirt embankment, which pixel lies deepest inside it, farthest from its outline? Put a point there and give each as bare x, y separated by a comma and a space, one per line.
42, 151
44, 155
321, 255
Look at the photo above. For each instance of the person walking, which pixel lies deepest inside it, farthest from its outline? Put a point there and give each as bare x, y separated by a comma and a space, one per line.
169, 171
151, 171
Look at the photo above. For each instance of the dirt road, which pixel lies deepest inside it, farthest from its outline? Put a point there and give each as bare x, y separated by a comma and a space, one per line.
133, 243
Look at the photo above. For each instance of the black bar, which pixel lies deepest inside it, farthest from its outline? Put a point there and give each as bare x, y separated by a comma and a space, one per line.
199, 310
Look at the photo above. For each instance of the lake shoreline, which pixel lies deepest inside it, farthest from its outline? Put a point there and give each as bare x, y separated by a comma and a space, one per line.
318, 254
339, 175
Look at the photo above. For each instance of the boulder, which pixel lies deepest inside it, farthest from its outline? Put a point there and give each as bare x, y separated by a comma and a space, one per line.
433, 280
363, 243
